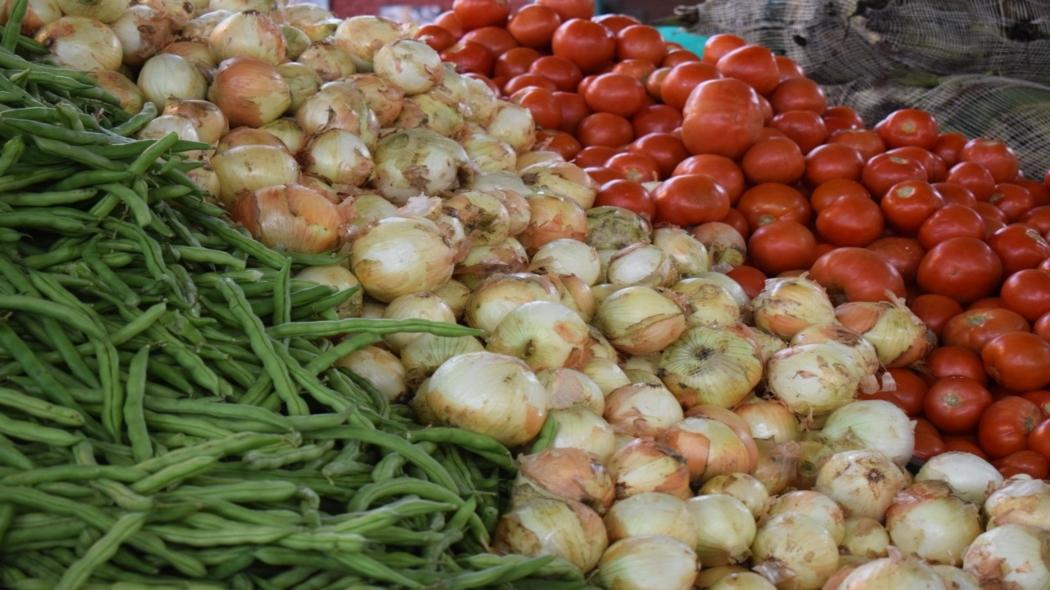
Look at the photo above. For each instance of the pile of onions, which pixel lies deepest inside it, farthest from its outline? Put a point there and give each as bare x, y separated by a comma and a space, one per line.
651, 513
690, 256
247, 34
788, 305
418, 161
412, 66
640, 320
643, 465
640, 409
381, 367
552, 218
969, 477
864, 482
795, 552
743, 487
545, 335
338, 157
362, 36
871, 424
725, 527
568, 257
568, 474
401, 255
580, 428
928, 521
569, 388
143, 32
708, 303
290, 217
898, 335
648, 561
813, 505
1010, 556
710, 366
641, 264
491, 301
710, 448
893, 572
865, 537
81, 43
727, 247
769, 420
1021, 500
546, 526
814, 379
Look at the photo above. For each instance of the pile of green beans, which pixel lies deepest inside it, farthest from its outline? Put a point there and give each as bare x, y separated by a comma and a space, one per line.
170, 411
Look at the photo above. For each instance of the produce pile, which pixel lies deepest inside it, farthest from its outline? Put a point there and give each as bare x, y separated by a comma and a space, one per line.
577, 273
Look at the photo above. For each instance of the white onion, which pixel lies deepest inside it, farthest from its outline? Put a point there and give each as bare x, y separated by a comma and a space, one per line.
412, 66
735, 423
480, 99
651, 513
613, 228
421, 305
483, 216
1020, 500
742, 581
313, 19
766, 344
955, 578
788, 305
398, 256
424, 355
606, 374
295, 41
871, 424
545, 526
725, 529
568, 257
535, 156
501, 294
339, 278
339, 105
38, 13
247, 34
512, 124
143, 32
545, 335
893, 572
898, 335
508, 188
417, 161
577, 296
795, 552
301, 80
380, 367
1011, 556
328, 60
208, 121
290, 217
644, 465
243, 136
928, 521
206, 178
552, 218
971, 478
814, 505
455, 295
689, 254
863, 482
489, 153
127, 93
363, 36
562, 179
508, 256
250, 167
263, 6
813, 378
339, 157
288, 131
249, 91
709, 447
196, 29
867, 358
641, 264
865, 537
570, 388
769, 420
710, 366
580, 428
708, 303
432, 110
166, 124
166, 77
383, 97
362, 211
81, 43
565, 474
732, 287
813, 455
642, 410
640, 320
724, 243
487, 393
741, 486
652, 561
105, 11
777, 465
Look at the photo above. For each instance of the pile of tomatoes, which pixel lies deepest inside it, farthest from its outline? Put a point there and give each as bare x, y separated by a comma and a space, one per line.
740, 136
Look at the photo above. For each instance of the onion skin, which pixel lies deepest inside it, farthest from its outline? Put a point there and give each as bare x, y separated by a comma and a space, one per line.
636, 563
250, 91
553, 218
384, 98
743, 487
545, 335
710, 366
363, 36
543, 526
248, 168
864, 483
640, 320
646, 466
412, 66
898, 335
580, 428
651, 513
642, 410
813, 379
398, 256
927, 520
142, 32
207, 118
1020, 500
893, 572
120, 87
418, 161
1010, 557
726, 528
812, 505
567, 474
292, 218
247, 34
795, 552
788, 305
80, 43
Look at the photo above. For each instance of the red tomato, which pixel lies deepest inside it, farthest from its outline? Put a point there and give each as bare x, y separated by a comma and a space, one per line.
565, 74
974, 177
974, 328
866, 141
534, 25
722, 117
682, 79
678, 57
1042, 326
1027, 292
955, 404
1041, 398
615, 22
961, 444
438, 38
906, 391
788, 68
567, 9
523, 81
514, 62
595, 155
753, 64
884, 171
541, 103
635, 166
602, 175
830, 191
908, 127
615, 93
769, 202
1019, 246
850, 221
910, 203
640, 42
857, 274
936, 169
655, 81
1004, 427
934, 310
993, 219
956, 361
587, 44
1040, 192
1012, 199
781, 246
831, 162
928, 442
798, 94
964, 269
949, 146
627, 194
496, 39
656, 118
748, 277
664, 148
1018, 360
480, 13
469, 57
1039, 218
450, 22
1023, 462
955, 194
950, 221
558, 141
639, 69
605, 129
1039, 439
573, 110
773, 160
737, 221
805, 128
994, 155
719, 45
690, 199
904, 254
725, 172
842, 117
986, 303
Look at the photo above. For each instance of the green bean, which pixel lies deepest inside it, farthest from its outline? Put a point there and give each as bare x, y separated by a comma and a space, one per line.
112, 389
11, 152
150, 154
12, 455
102, 551
133, 201
232, 534
329, 303
139, 324
545, 438
402, 486
259, 459
219, 410
147, 113
326, 359
40, 408
7, 515
121, 495
85, 178
388, 467
238, 240
55, 132
48, 199
173, 474
208, 256
44, 530
43, 220
282, 296
367, 566
13, 27
239, 513
75, 153
255, 491
292, 577
61, 312
233, 444
73, 473
375, 326
323, 394
134, 416
37, 433
13, 182
107, 276
236, 562
192, 426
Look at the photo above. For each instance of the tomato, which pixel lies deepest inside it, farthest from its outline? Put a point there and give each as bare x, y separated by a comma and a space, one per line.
657, 118
842, 117
1019, 246
956, 361
678, 57
1042, 326
774, 160
994, 155
587, 44
595, 155
682, 79
831, 162
469, 57
781, 246
748, 277
955, 193
910, 203
949, 146
664, 148
788, 68
904, 254
830, 191
936, 169
883, 171
1041, 398
640, 42
974, 328
722, 117
805, 128
1018, 360
961, 444
753, 64
514, 62
906, 392
1039, 218
725, 172
602, 175
438, 38
908, 127
1012, 199
639, 69
450, 22
769, 202
1005, 425
934, 310
565, 74
993, 219
974, 177
558, 141
626, 194
955, 404
604, 129
534, 25
1025, 462
718, 45
950, 221
798, 94
928, 442
857, 274
1027, 292
573, 110
635, 166
480, 13
850, 221
567, 9
866, 141
690, 199
1040, 192
523, 81
1039, 439
737, 221
767, 110
986, 303
541, 103
496, 39
655, 81
616, 22
615, 93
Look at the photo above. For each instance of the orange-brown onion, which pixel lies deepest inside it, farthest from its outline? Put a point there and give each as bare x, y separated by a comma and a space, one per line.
290, 217
207, 118
247, 34
250, 91
81, 43
143, 32
247, 168
566, 474
120, 87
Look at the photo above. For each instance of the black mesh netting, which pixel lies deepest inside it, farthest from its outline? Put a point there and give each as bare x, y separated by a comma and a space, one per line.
981, 66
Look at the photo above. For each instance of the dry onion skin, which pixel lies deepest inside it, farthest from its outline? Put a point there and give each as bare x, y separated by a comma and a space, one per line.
291, 218
814, 379
795, 552
710, 448
580, 428
785, 306
710, 366
893, 572
570, 388
743, 487
412, 66
970, 477
362, 36
863, 482
247, 34
865, 537
815, 506
690, 256
545, 335
1020, 500
566, 474
871, 424
642, 410
725, 527
898, 335
400, 255
249, 91
640, 320
928, 521
380, 367
546, 526
418, 161
708, 303
80, 43
247, 168
638, 563
1010, 556
651, 513
742, 581
643, 465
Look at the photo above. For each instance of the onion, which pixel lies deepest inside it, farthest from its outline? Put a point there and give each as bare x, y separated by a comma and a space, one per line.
166, 77
814, 505
893, 572
863, 482
197, 29
898, 335
312, 19
80, 43
535, 157
143, 32
651, 513
562, 179
484, 216
709, 576
553, 218
208, 121
295, 41
400, 255
769, 420
812, 457
860, 348
865, 537
642, 410
301, 80
689, 254
1021, 500
328, 60
569, 388
167, 124
788, 305
732, 287
545, 335
710, 448
373, 310
206, 178
105, 11
743, 487
726, 529
412, 66
871, 424
248, 168
120, 87
613, 228
777, 465
289, 217
480, 99
650, 561
970, 477
955, 578
724, 243
37, 14
565, 474
455, 294
487, 393
247, 34
508, 188
490, 154
420, 306
743, 581
813, 378
512, 124
379, 367
640, 320
424, 355
249, 91
339, 278
363, 36
568, 257
643, 465
577, 296
195, 52
1010, 556
364, 210
580, 428
291, 136
928, 521
244, 136
339, 157
383, 97
710, 366
795, 552
339, 105
606, 374
501, 294
641, 264
417, 161
508, 256
432, 111
734, 422
708, 303
545, 526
